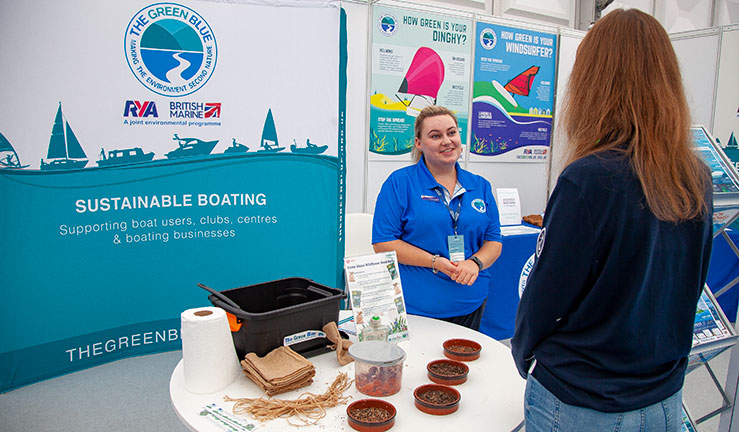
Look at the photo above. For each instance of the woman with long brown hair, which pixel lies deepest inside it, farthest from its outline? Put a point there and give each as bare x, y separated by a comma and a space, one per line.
605, 322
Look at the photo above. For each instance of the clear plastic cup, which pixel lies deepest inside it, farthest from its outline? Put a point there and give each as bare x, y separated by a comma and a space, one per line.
378, 367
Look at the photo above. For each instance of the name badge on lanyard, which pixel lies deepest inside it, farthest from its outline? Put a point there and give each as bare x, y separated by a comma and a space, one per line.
454, 242
456, 248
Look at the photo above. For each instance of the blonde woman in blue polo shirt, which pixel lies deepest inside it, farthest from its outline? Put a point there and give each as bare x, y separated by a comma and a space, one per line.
442, 222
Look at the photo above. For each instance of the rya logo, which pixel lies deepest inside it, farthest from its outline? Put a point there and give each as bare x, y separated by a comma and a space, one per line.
140, 109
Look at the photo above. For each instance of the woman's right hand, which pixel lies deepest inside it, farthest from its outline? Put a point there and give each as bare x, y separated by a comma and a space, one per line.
445, 266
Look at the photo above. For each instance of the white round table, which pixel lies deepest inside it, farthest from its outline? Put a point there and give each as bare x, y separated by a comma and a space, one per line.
492, 397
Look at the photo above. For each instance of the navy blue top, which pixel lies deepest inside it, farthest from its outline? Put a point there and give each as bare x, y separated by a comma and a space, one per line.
408, 208
609, 306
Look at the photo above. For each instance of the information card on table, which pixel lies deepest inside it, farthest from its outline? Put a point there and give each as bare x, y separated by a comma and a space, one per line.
373, 283
509, 206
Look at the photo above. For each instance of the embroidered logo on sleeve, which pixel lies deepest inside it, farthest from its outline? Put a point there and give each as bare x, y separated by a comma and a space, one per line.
525, 272
479, 205
540, 241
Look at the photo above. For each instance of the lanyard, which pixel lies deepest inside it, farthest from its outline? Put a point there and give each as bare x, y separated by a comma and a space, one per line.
453, 214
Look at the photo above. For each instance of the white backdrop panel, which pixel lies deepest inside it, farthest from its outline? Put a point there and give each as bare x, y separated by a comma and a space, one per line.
697, 53
568, 43
356, 112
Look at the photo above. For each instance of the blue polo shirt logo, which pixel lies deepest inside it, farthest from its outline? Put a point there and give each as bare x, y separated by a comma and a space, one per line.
479, 205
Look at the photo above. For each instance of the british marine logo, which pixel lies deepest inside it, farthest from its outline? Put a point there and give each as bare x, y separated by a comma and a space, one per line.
213, 110
388, 25
170, 49
488, 39
194, 109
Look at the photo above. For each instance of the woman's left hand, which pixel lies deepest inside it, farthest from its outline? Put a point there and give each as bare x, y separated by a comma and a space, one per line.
466, 272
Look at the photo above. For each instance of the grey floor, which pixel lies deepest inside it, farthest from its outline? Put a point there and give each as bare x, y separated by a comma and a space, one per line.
133, 395
700, 394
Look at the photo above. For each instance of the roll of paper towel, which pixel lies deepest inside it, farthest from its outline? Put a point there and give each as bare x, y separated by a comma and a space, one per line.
208, 355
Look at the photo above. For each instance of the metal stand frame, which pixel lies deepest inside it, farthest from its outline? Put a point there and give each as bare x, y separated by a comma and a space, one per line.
726, 403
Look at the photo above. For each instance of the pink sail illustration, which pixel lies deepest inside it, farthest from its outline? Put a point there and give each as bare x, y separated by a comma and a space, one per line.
422, 80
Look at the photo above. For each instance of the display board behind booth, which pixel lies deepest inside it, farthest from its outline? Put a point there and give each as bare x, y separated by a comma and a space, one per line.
218, 130
513, 99
419, 58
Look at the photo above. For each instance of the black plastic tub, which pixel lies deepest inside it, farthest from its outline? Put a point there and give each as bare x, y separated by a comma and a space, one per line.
271, 311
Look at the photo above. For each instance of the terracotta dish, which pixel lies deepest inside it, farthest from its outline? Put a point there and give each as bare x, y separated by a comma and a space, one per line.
436, 399
371, 415
448, 372
462, 349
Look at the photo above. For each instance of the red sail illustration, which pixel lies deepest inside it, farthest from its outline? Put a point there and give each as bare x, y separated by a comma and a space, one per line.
521, 83
425, 74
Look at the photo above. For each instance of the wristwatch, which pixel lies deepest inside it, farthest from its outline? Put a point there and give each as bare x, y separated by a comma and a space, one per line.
477, 261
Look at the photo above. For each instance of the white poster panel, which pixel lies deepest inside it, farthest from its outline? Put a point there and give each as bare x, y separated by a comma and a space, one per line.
419, 58
726, 118
697, 53
569, 40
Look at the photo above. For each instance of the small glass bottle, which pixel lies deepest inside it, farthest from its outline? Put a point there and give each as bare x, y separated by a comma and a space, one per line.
375, 331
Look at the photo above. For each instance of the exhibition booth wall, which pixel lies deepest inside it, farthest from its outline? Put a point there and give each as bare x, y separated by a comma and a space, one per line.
710, 90
226, 153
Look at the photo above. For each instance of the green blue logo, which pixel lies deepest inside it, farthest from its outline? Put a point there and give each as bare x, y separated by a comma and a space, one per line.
488, 39
388, 25
479, 205
170, 49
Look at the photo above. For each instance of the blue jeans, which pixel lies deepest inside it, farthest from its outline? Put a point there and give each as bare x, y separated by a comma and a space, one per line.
545, 413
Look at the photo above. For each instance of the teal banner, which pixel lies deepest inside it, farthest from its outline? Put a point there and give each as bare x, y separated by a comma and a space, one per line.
154, 154
100, 262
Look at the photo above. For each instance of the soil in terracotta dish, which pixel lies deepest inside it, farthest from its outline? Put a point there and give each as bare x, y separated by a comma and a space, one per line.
370, 414
446, 369
461, 348
437, 397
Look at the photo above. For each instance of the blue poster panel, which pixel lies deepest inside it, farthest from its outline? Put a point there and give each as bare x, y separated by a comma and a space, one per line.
161, 145
513, 94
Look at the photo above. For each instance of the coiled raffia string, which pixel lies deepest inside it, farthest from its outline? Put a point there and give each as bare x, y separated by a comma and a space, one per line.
308, 407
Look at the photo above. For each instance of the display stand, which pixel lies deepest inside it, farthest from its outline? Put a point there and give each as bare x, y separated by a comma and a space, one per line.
688, 424
714, 333
725, 191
